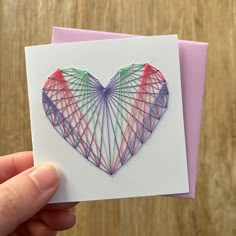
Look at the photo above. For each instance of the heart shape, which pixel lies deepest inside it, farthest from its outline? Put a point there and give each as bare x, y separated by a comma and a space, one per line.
106, 125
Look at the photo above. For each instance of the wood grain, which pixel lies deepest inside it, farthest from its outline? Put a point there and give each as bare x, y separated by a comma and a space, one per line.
27, 22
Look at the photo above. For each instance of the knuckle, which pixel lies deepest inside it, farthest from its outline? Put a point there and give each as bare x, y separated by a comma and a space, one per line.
9, 199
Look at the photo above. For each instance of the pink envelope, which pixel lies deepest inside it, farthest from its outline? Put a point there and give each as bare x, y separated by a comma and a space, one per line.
192, 65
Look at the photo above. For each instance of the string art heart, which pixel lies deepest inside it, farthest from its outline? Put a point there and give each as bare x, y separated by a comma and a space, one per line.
106, 125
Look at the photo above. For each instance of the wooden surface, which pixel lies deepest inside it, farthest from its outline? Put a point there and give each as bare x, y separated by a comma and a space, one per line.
28, 22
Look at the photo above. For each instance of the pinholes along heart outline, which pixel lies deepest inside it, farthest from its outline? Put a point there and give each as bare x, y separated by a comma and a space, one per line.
106, 125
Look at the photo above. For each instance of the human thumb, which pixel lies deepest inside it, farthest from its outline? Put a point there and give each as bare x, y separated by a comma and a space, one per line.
24, 195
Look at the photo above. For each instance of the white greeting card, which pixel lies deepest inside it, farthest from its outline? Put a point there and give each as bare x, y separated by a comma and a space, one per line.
108, 114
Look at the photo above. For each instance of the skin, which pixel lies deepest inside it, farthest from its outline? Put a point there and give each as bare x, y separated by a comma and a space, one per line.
24, 193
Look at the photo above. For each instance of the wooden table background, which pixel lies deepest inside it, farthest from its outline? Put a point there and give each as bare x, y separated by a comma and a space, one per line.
213, 213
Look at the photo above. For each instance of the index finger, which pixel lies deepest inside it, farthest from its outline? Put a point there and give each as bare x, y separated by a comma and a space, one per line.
13, 164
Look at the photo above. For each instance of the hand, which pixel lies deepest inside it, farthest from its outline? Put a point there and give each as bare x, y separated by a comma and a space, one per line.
24, 193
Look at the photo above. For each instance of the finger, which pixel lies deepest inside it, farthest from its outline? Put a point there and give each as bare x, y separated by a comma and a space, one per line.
21, 230
59, 220
13, 164
37, 228
60, 206
24, 195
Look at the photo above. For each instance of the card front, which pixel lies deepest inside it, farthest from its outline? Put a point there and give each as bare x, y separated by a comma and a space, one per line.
157, 167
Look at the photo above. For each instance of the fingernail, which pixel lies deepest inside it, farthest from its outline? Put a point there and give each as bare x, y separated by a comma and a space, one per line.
45, 177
